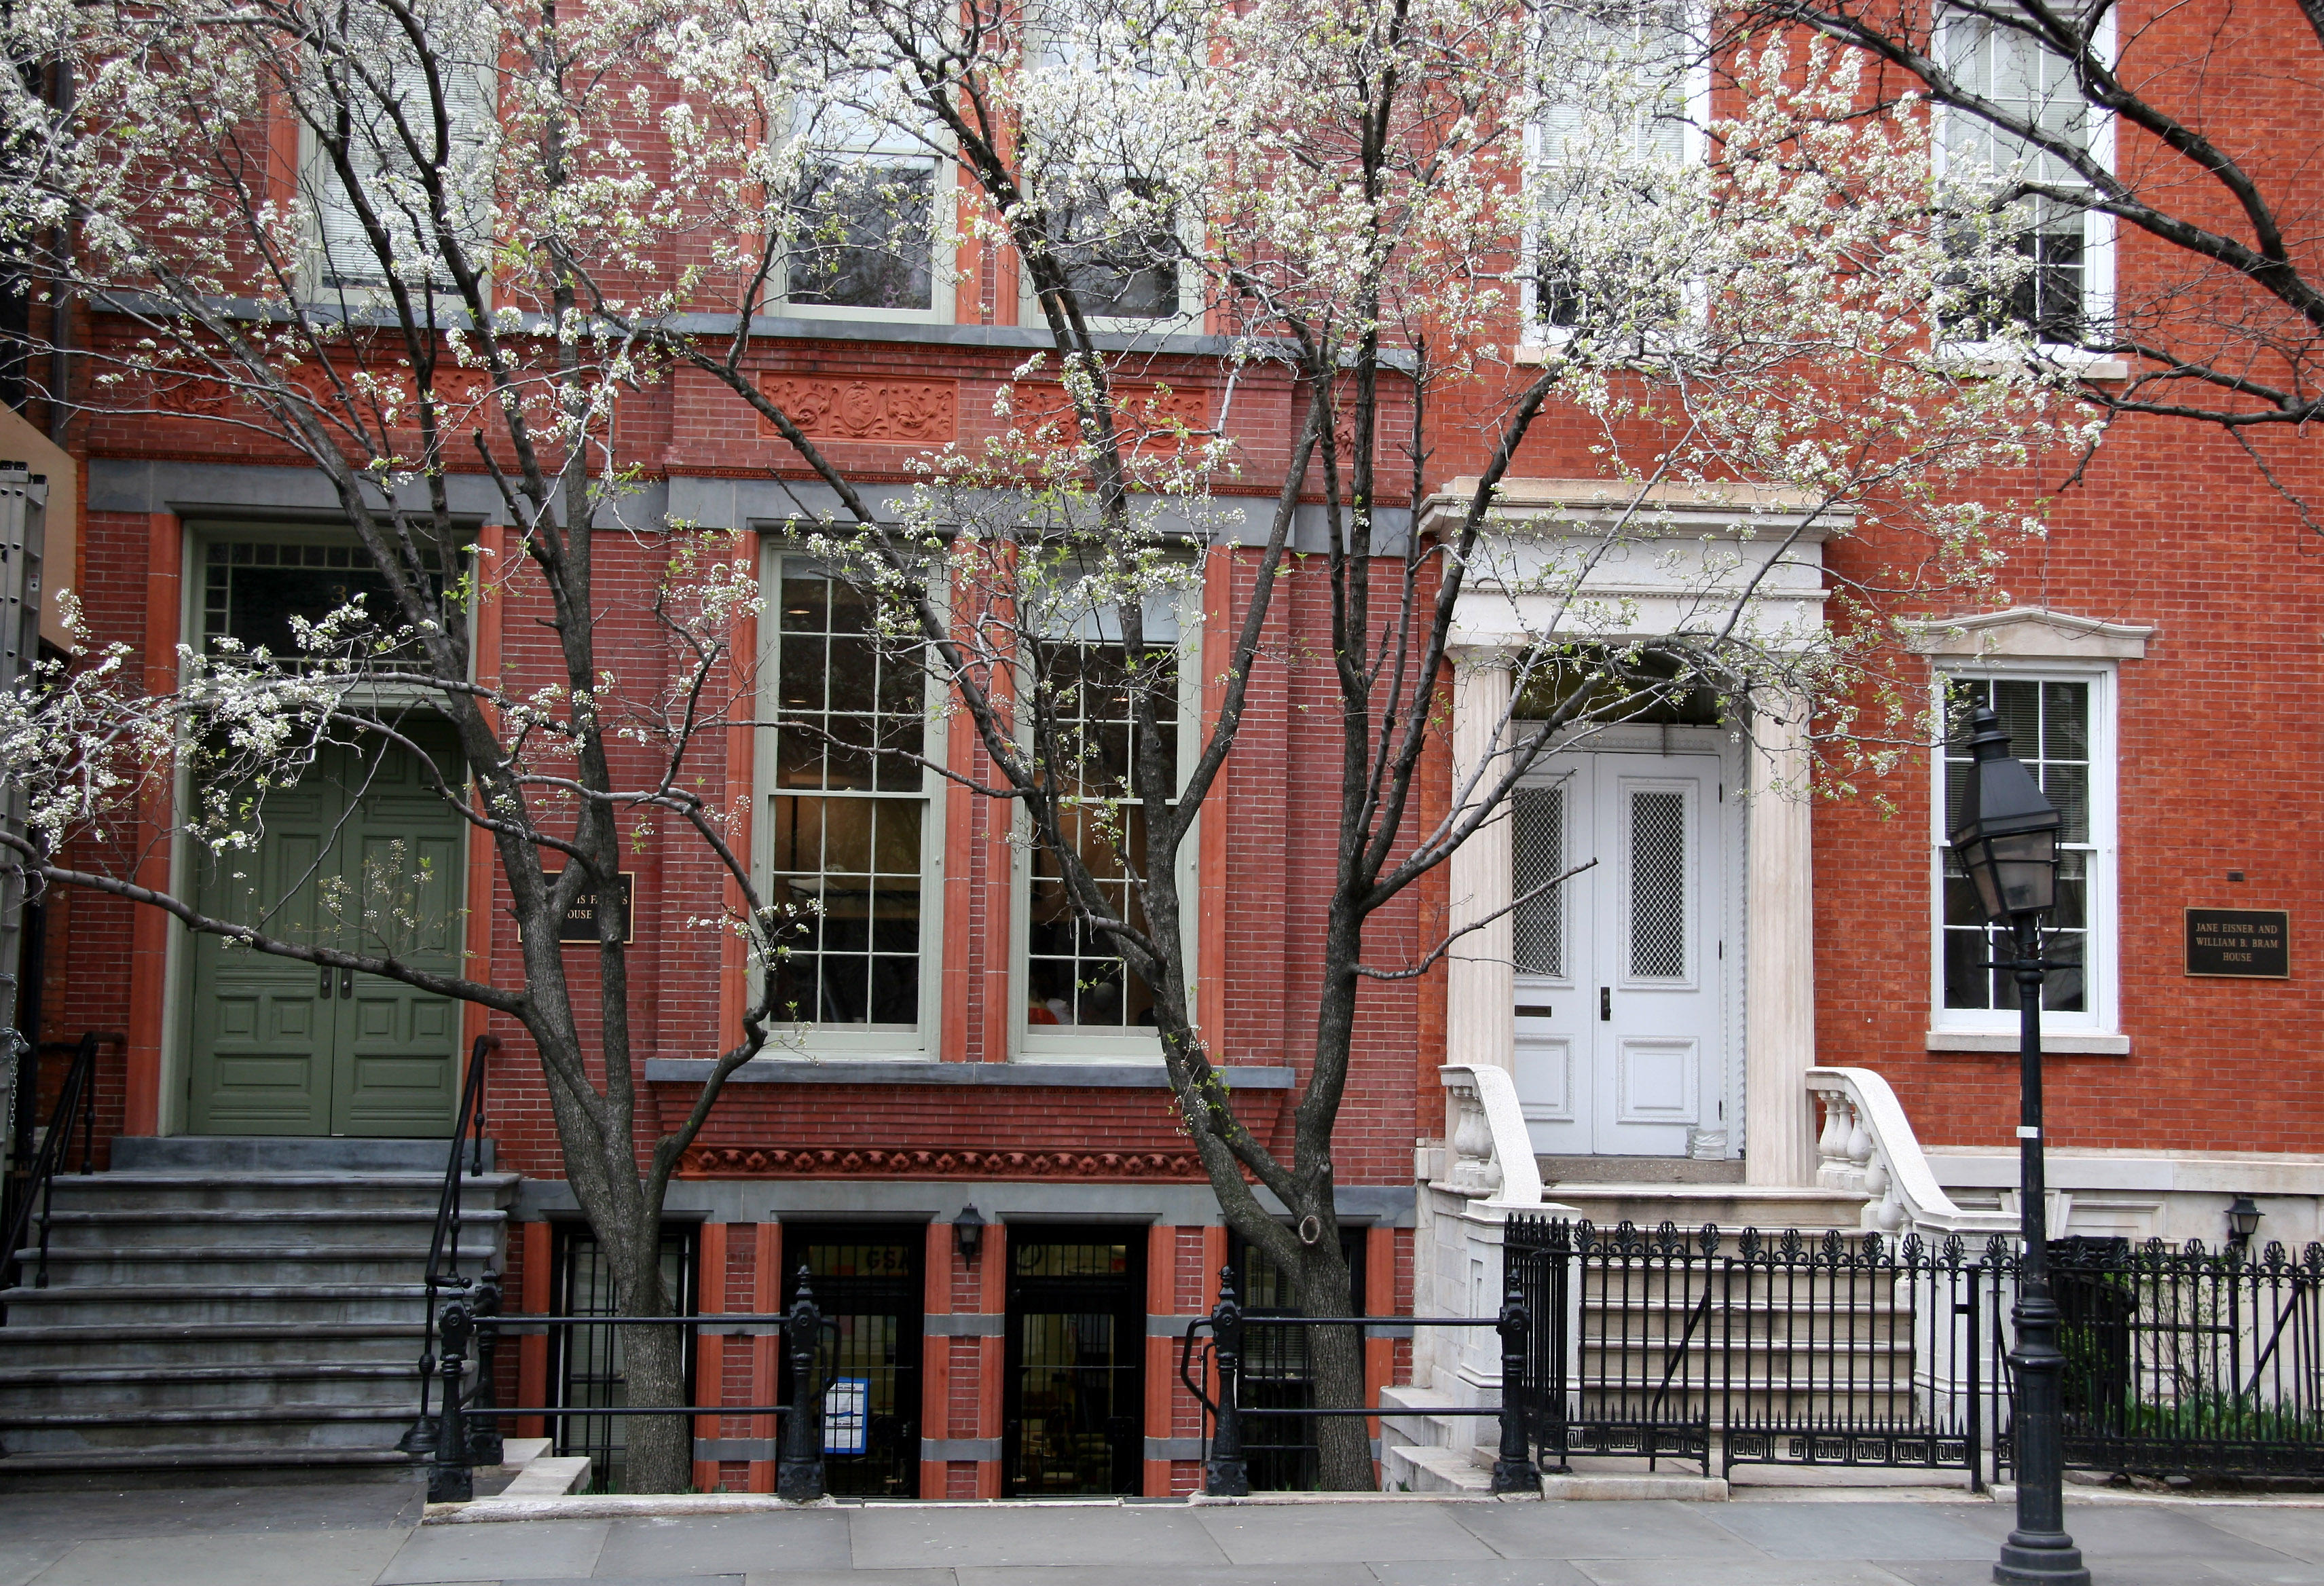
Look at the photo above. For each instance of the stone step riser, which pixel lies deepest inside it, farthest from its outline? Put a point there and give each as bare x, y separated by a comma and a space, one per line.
399, 1345
128, 1194
287, 1433
93, 1307
79, 1271
18, 1400
402, 1235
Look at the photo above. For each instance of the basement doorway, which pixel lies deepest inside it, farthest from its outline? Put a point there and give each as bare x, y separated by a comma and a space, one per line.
868, 1283
1073, 1399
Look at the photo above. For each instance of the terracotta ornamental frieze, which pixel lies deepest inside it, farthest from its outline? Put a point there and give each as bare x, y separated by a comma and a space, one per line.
771, 1162
911, 412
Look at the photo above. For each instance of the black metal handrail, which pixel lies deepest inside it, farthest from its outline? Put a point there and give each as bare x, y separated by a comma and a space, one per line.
457, 1447
1225, 1471
75, 1112
443, 1271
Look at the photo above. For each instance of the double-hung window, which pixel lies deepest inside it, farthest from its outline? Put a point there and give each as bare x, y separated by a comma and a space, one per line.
1079, 999
869, 209
848, 818
1103, 145
1625, 89
2063, 292
400, 170
2061, 725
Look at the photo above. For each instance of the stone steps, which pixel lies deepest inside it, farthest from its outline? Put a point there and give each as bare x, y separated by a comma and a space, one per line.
232, 1304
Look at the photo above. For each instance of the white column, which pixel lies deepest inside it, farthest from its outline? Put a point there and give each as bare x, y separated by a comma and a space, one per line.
1480, 1018
1779, 952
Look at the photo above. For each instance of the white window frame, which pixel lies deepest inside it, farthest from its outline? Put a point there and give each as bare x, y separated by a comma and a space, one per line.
1536, 336
2101, 958
944, 272
1032, 1043
2100, 231
818, 1040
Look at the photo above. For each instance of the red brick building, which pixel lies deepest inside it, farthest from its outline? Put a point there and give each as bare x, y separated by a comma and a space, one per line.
1658, 1021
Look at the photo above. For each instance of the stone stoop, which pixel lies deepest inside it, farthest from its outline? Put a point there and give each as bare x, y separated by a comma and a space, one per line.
1427, 1450
222, 1303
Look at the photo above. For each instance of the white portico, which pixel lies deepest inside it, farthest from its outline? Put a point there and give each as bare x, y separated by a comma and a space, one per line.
1658, 1003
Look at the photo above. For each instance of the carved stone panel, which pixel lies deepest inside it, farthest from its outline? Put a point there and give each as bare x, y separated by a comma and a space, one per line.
901, 412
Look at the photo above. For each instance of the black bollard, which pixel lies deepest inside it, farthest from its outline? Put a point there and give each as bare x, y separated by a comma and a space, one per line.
1225, 1475
449, 1478
798, 1477
1514, 1470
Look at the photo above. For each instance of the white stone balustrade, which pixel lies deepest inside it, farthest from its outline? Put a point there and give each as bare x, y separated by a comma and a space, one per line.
1867, 1147
1490, 1152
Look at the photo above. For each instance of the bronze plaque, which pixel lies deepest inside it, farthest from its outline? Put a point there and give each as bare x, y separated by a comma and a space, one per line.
580, 921
2246, 943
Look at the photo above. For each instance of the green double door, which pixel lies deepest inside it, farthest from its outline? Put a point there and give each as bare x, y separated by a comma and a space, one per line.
362, 855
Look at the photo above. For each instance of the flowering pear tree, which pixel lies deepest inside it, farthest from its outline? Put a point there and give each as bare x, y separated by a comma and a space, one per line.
433, 253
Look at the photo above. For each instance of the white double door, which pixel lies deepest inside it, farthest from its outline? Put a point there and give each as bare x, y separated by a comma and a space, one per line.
1624, 1010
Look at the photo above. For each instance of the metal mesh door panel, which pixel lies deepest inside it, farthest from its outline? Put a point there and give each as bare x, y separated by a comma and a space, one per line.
1657, 886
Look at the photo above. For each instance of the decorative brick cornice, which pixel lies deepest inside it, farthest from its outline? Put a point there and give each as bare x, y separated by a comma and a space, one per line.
862, 1162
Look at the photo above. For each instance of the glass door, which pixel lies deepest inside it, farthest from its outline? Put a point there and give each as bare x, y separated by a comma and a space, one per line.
1073, 1403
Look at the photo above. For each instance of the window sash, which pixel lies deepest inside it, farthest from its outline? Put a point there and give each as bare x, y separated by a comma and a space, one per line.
383, 168
1058, 945
847, 841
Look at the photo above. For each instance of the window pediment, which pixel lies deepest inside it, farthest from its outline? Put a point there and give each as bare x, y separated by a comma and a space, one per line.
2025, 632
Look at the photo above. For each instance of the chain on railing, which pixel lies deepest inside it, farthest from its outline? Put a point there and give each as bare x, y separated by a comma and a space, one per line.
31, 1191
1225, 1466
462, 1322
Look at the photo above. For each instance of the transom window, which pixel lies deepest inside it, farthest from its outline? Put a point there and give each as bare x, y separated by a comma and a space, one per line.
849, 811
253, 591
2056, 726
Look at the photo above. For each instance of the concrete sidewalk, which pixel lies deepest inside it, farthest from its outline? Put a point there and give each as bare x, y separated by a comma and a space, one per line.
368, 1535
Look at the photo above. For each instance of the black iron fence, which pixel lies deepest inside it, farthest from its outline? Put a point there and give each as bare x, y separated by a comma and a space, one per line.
1722, 1350
1227, 1454
464, 1432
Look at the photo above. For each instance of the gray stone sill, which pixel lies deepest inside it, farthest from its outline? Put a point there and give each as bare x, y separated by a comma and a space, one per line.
2087, 1044
801, 1071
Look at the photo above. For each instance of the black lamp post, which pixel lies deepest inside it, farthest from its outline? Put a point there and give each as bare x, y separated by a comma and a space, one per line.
2006, 839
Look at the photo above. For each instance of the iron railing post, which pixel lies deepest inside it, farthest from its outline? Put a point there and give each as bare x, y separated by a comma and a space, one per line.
1225, 1475
449, 1478
483, 1426
1514, 1471
798, 1477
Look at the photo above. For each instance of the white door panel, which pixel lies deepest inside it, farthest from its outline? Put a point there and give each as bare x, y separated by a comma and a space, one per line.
1620, 981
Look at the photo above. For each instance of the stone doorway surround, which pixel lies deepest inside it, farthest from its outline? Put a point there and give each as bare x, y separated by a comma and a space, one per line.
1690, 555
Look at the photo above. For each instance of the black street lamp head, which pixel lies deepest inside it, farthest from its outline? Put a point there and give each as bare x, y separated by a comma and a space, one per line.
2243, 1221
2006, 838
968, 1229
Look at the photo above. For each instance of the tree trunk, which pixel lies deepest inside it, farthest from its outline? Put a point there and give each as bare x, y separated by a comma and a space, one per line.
659, 1449
1335, 1355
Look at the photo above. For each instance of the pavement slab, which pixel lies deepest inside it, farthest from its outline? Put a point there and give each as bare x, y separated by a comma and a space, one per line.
536, 1549
1676, 1572
1856, 1530
894, 1537
2295, 1532
1599, 1530
729, 1544
1354, 1533
301, 1558
850, 1578
1531, 1572
1175, 1575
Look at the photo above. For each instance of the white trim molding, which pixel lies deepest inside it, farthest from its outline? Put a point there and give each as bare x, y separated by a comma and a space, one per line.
2025, 632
